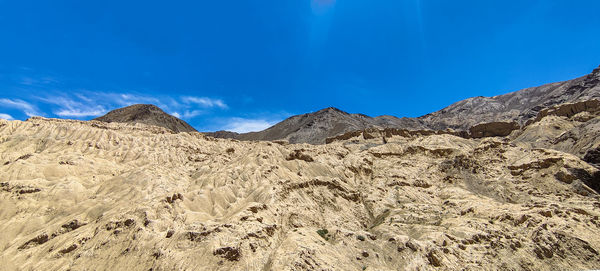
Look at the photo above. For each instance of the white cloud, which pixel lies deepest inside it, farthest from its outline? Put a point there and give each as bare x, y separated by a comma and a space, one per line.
83, 97
186, 108
82, 104
6, 116
37, 81
113, 100
191, 114
62, 101
76, 109
205, 102
129, 99
188, 114
241, 125
26, 107
78, 113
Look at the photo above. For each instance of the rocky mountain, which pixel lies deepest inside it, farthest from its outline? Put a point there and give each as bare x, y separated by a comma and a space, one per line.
315, 127
519, 107
146, 114
79, 195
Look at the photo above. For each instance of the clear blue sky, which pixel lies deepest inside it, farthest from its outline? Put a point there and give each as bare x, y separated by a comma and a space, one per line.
242, 65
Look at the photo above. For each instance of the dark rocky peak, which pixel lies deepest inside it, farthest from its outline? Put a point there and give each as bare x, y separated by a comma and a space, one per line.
594, 77
146, 114
330, 110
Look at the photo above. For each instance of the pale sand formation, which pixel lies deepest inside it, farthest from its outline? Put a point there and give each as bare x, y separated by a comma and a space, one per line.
95, 196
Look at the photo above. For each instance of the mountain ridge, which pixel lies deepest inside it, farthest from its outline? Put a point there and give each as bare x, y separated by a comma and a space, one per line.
517, 106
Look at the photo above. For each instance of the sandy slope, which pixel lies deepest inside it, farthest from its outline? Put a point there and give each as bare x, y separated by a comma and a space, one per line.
96, 196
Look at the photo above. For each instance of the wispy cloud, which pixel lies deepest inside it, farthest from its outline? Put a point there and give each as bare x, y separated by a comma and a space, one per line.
205, 102
27, 108
68, 107
129, 99
6, 116
47, 93
86, 104
78, 113
187, 114
89, 103
192, 114
38, 81
241, 125
83, 97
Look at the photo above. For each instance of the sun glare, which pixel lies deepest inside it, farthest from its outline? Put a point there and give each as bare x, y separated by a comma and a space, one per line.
321, 6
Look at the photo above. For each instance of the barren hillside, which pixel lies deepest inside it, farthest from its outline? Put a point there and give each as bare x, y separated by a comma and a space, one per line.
146, 114
106, 196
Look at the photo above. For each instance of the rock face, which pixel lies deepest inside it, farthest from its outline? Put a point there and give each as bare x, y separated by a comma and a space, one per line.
488, 112
569, 109
146, 114
97, 196
571, 128
492, 129
592, 156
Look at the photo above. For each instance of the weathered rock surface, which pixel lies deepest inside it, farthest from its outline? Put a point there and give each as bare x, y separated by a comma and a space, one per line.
493, 129
134, 197
571, 128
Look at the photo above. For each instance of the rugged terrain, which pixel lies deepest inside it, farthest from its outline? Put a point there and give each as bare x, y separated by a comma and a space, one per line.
517, 107
146, 114
105, 196
315, 127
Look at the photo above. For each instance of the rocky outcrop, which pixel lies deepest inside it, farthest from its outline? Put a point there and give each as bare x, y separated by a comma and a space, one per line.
592, 156
572, 128
222, 134
493, 129
569, 109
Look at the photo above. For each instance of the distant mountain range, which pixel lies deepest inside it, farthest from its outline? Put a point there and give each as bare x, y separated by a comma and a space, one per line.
315, 127
518, 107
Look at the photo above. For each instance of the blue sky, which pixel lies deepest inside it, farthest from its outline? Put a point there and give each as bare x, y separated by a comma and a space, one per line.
244, 65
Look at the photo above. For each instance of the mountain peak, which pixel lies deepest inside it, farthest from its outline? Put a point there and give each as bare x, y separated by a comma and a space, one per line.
145, 106
331, 109
147, 114
596, 72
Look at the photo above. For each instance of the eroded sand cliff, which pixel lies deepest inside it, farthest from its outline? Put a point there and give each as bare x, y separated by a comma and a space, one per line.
106, 196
